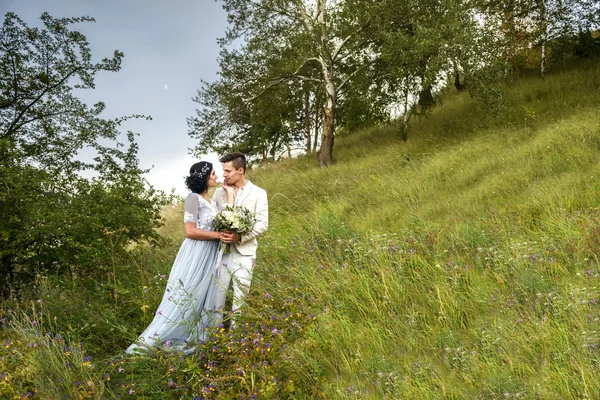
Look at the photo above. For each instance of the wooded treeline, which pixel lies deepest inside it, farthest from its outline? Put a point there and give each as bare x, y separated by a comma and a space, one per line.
295, 72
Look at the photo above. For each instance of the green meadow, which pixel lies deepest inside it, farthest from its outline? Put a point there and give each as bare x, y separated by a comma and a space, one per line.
460, 264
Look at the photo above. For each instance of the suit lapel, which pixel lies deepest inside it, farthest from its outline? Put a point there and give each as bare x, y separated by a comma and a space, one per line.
247, 189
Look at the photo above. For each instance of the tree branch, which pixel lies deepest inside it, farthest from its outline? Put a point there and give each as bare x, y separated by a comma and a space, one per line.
350, 76
337, 51
12, 126
306, 78
269, 86
41, 117
286, 77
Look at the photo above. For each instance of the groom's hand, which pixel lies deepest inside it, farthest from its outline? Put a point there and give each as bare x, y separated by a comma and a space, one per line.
230, 237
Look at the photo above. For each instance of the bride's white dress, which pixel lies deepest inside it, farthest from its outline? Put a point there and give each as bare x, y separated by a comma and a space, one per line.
187, 308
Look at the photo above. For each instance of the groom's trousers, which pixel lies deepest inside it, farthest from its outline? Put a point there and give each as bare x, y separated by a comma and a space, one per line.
235, 270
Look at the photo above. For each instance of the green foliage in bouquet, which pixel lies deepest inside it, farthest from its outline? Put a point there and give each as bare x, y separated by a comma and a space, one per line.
236, 219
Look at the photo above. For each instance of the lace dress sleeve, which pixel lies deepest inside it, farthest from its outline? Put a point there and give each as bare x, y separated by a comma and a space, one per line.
190, 211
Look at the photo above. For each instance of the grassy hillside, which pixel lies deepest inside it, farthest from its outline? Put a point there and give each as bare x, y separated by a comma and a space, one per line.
460, 264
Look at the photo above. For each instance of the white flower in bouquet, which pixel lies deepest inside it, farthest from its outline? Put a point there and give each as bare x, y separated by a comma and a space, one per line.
237, 219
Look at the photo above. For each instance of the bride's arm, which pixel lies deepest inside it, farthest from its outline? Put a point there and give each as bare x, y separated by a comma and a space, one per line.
191, 232
190, 215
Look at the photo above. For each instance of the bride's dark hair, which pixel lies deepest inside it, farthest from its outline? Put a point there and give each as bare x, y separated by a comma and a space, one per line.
197, 182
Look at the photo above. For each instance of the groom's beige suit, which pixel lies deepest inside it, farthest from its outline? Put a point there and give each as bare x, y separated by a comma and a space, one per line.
237, 266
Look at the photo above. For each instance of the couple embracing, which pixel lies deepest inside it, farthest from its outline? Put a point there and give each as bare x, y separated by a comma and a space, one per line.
202, 273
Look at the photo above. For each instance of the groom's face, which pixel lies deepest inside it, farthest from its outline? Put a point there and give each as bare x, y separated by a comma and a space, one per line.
230, 174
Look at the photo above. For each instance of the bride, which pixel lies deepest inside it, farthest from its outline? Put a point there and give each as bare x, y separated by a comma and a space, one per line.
187, 308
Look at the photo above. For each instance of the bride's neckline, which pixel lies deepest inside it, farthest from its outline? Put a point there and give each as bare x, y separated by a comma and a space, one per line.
204, 198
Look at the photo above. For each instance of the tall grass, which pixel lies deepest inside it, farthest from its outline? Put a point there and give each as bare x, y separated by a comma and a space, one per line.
460, 264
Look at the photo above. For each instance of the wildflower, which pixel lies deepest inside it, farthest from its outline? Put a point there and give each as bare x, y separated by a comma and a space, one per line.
589, 273
268, 296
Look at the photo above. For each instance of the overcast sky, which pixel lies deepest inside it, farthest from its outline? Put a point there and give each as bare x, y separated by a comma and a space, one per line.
169, 46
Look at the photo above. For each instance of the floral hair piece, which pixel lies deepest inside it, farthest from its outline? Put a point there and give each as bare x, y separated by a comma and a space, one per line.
203, 172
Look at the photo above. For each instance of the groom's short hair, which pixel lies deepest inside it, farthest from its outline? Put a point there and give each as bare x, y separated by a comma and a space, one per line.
237, 159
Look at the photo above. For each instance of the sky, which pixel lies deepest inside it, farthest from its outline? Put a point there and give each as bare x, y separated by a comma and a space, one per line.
169, 46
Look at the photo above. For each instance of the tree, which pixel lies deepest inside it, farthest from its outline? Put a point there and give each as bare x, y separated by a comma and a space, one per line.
324, 42
54, 216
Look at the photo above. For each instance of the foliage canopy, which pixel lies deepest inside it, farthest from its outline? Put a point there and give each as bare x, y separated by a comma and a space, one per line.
54, 217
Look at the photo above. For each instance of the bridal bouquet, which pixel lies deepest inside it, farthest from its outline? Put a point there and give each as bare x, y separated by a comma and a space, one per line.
236, 219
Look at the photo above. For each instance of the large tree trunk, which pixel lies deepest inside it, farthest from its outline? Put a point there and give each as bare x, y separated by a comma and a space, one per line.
326, 151
327, 64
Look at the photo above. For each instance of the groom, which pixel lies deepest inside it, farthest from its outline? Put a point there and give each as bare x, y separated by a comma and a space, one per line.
237, 266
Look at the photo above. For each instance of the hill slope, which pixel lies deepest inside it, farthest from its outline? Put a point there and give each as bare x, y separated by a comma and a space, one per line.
460, 264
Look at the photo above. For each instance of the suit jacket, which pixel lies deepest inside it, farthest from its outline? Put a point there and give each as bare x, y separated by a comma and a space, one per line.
254, 199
